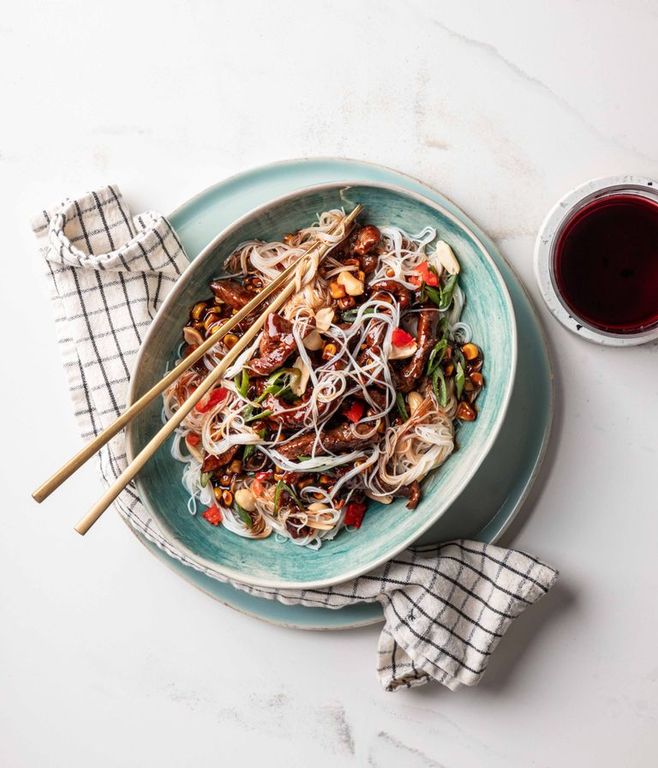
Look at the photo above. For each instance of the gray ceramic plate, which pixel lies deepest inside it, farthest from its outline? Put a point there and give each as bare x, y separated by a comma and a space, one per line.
502, 482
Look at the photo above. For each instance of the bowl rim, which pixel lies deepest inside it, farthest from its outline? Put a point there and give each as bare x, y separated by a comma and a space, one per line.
216, 569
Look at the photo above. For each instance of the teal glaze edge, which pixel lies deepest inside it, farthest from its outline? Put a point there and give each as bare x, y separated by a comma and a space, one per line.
503, 518
305, 618
371, 552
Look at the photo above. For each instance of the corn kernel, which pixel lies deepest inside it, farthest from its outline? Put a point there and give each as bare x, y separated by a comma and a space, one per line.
198, 310
210, 320
337, 291
466, 412
329, 351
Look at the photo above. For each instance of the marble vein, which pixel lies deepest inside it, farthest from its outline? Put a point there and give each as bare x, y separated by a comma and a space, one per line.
490, 50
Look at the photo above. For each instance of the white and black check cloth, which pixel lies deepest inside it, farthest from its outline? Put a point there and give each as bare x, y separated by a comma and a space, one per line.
445, 607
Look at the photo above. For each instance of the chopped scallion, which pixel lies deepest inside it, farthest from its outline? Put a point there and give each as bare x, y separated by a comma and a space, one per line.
439, 386
459, 380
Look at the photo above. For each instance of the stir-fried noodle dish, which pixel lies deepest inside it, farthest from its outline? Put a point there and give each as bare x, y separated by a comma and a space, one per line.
351, 392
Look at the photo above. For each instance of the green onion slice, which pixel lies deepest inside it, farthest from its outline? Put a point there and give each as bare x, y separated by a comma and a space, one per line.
440, 387
401, 406
459, 380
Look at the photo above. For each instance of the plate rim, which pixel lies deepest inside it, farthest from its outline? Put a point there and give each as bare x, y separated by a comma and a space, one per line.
207, 566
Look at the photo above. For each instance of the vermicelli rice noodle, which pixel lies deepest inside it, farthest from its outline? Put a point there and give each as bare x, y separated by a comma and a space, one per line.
350, 393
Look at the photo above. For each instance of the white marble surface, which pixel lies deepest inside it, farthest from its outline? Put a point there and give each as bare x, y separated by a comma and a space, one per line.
107, 658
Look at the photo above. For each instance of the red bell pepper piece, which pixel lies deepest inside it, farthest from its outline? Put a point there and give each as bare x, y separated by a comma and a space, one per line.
210, 400
192, 438
427, 274
213, 515
355, 412
354, 513
257, 487
401, 338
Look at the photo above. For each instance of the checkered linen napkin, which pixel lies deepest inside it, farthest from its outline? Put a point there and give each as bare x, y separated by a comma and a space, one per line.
446, 607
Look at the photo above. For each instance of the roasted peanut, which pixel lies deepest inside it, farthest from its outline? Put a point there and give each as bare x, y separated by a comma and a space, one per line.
192, 336
415, 400
470, 351
314, 341
324, 318
447, 259
352, 285
246, 499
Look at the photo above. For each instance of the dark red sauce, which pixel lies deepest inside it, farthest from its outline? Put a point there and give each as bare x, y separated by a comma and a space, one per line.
606, 264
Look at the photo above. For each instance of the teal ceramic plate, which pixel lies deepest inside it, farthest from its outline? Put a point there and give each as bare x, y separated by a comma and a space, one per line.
497, 490
386, 529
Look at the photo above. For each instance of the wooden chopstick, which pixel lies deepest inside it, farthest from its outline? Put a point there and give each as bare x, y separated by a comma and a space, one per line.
206, 385
85, 453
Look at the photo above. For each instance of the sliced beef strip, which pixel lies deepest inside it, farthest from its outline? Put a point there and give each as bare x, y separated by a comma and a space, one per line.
397, 290
411, 492
231, 293
408, 375
283, 413
212, 462
365, 239
276, 345
345, 437
277, 330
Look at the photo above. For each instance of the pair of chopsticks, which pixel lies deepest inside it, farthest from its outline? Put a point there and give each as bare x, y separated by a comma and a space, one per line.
288, 285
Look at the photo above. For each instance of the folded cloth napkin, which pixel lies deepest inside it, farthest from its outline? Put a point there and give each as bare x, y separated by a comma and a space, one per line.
446, 607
